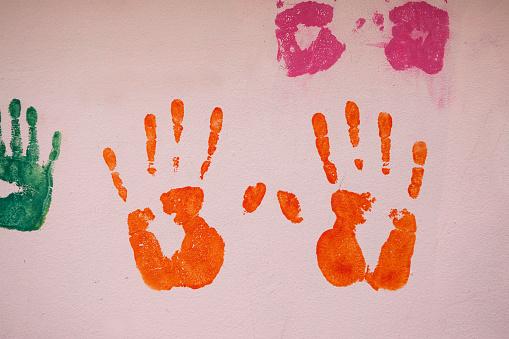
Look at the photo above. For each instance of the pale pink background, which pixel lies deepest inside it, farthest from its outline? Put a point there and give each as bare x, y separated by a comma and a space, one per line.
94, 69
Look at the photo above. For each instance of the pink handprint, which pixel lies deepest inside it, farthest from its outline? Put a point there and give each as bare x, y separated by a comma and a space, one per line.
323, 52
420, 34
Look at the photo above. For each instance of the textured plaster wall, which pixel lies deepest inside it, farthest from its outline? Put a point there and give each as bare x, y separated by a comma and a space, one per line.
94, 69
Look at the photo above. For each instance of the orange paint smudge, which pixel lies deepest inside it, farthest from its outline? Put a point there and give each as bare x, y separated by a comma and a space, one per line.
420, 152
150, 131
353, 120
289, 206
359, 163
201, 254
384, 128
253, 197
111, 161
175, 164
323, 147
338, 254
216, 123
177, 116
394, 262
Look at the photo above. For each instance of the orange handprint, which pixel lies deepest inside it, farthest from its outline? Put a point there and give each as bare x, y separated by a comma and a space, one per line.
338, 254
201, 254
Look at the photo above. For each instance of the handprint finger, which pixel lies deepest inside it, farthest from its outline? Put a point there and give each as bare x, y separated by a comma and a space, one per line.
33, 146
353, 121
177, 116
150, 131
15, 110
55, 143
216, 123
323, 148
384, 128
111, 161
2, 144
419, 151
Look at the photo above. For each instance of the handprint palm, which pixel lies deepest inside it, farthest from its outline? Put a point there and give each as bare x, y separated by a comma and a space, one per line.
26, 210
338, 254
202, 251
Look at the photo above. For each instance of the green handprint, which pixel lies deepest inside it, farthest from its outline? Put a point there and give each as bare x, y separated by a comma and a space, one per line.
26, 210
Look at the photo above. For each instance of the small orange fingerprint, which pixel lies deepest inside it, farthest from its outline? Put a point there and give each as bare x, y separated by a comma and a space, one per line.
177, 116
150, 131
323, 147
289, 206
394, 262
338, 254
359, 163
216, 123
384, 128
175, 164
111, 161
253, 197
419, 151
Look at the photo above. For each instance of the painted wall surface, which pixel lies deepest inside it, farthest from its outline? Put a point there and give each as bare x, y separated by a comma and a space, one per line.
94, 69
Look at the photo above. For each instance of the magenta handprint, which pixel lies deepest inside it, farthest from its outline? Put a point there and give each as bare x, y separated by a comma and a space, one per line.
323, 52
420, 34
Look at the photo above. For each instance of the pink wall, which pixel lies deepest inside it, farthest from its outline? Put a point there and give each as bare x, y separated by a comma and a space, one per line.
94, 69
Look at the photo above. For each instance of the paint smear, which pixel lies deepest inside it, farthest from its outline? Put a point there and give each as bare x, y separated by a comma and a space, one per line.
338, 254
201, 254
111, 160
323, 52
279, 4
420, 33
353, 121
289, 206
359, 23
419, 151
378, 19
384, 129
393, 267
150, 131
26, 209
253, 197
216, 123
323, 147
